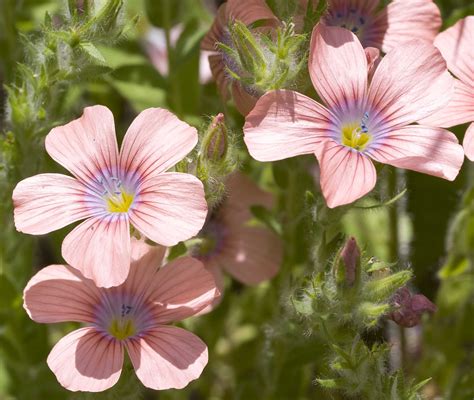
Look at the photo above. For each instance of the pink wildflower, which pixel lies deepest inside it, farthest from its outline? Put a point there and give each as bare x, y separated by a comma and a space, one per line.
250, 254
114, 191
399, 22
361, 120
457, 47
132, 316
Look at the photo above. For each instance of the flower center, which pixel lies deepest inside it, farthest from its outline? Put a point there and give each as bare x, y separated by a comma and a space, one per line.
356, 135
349, 18
124, 326
212, 238
117, 198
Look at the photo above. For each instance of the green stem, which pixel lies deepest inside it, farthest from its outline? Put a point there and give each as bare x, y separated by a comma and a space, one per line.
394, 243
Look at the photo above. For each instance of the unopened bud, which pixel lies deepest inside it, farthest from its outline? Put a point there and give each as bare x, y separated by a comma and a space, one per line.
347, 263
215, 141
409, 308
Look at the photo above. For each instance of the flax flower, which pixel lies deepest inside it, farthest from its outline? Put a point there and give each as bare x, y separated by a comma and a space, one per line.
132, 316
250, 254
399, 22
113, 191
361, 119
457, 47
248, 12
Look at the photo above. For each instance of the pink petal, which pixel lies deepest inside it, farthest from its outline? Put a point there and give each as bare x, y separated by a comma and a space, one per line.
85, 360
167, 357
244, 102
155, 141
216, 32
432, 151
242, 193
285, 124
346, 174
86, 146
219, 74
468, 142
170, 208
59, 293
252, 254
181, 289
146, 261
250, 11
338, 68
404, 20
100, 249
47, 202
410, 83
373, 60
364, 7
459, 110
215, 269
456, 46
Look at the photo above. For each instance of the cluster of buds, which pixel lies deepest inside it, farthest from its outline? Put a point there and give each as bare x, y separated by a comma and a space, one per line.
361, 292
263, 61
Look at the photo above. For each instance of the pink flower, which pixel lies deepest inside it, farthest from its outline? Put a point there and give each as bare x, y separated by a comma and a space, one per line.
457, 47
248, 12
132, 316
250, 254
361, 120
114, 191
399, 22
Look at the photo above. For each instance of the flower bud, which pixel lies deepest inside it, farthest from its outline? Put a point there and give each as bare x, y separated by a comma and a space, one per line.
409, 308
262, 60
215, 141
347, 263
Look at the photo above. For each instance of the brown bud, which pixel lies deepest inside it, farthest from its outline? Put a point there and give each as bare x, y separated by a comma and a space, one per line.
409, 308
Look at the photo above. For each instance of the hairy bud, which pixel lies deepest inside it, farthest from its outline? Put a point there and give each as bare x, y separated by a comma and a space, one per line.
348, 262
263, 61
215, 141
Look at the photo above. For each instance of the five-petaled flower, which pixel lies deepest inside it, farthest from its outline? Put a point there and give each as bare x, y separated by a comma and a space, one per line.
114, 191
133, 316
362, 120
249, 253
456, 44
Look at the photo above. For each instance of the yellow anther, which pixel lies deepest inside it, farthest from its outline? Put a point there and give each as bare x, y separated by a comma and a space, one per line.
119, 203
352, 136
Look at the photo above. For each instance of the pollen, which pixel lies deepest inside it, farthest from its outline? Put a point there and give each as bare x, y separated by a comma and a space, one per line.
121, 328
355, 136
119, 202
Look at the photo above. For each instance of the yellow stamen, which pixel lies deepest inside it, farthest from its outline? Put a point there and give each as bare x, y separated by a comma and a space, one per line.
122, 329
352, 136
119, 203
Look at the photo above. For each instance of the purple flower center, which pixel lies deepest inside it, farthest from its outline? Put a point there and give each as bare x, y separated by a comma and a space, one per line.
122, 316
213, 236
112, 193
349, 18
